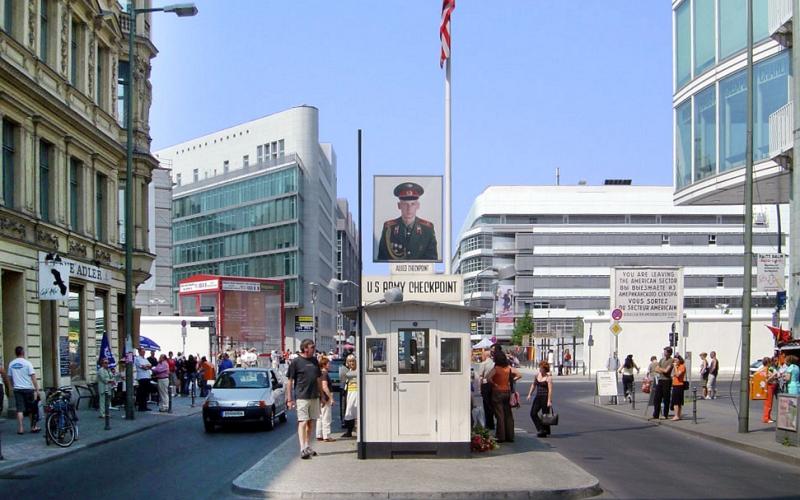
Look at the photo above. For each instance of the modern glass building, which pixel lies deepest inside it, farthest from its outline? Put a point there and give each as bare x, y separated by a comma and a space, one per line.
259, 200
710, 100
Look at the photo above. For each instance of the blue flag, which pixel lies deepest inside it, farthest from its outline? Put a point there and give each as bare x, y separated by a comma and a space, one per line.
105, 352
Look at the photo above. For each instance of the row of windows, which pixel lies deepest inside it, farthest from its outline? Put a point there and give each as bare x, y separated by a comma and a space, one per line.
475, 264
262, 240
11, 174
721, 111
527, 262
710, 31
654, 239
265, 186
261, 214
588, 219
478, 241
264, 266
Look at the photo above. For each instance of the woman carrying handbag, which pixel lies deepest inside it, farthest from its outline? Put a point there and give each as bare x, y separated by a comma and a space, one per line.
543, 399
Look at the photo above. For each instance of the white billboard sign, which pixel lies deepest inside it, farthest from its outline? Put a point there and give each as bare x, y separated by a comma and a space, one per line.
652, 294
426, 288
771, 273
53, 278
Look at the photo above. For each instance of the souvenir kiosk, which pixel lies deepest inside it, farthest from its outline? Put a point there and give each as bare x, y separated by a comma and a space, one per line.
416, 380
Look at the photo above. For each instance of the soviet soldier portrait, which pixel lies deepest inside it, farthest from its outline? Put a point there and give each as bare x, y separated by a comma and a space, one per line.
408, 237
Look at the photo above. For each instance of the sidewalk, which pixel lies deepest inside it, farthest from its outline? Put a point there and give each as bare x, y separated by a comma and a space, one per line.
526, 468
30, 449
717, 420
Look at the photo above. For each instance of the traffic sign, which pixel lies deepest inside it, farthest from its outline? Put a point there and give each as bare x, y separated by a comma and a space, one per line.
616, 314
615, 328
201, 324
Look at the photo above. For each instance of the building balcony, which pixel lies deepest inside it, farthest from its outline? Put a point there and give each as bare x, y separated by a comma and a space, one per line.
781, 135
779, 19
771, 184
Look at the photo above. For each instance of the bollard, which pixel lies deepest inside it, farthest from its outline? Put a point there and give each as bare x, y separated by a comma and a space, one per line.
169, 390
633, 395
1, 446
108, 415
694, 404
192, 390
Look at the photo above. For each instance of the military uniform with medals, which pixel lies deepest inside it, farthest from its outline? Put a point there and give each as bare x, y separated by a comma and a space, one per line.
416, 241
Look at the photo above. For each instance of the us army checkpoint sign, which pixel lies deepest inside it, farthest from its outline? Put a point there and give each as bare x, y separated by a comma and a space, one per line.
649, 294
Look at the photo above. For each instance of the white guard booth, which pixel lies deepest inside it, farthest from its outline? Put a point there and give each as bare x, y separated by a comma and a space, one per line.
416, 380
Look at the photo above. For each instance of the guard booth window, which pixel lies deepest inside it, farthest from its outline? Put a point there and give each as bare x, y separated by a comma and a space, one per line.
451, 356
412, 351
376, 355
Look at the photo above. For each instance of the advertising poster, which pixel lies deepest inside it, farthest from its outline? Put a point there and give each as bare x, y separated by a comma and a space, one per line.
407, 218
504, 298
787, 413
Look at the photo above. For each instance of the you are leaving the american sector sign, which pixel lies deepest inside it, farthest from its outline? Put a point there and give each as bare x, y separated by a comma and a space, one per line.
649, 294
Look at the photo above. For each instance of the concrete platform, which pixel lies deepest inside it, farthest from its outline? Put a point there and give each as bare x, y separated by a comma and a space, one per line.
527, 468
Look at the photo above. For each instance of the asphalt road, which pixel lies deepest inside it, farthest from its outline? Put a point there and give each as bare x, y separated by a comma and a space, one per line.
173, 460
635, 459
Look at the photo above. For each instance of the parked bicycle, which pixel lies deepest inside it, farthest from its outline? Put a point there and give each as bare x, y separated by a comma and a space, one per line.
61, 421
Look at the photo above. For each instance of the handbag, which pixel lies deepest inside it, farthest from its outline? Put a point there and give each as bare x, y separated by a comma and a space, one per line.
551, 417
514, 399
646, 385
686, 385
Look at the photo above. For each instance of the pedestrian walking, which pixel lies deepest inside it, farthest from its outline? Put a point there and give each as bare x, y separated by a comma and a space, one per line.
627, 376
105, 385
206, 376
326, 404
678, 387
663, 389
350, 380
542, 399
161, 374
713, 371
501, 377
225, 363
305, 378
173, 370
180, 373
770, 366
143, 376
26, 390
191, 374
567, 362
484, 368
704, 371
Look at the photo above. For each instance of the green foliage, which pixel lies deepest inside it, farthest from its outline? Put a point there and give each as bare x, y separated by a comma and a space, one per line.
523, 328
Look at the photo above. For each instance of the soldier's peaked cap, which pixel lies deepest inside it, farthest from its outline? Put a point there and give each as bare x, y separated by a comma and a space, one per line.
408, 191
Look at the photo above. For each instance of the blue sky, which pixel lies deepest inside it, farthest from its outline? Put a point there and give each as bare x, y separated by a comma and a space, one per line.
584, 85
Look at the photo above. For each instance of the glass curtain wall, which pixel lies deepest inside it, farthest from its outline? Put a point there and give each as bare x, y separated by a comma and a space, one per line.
683, 144
732, 27
704, 35
683, 47
705, 134
732, 121
771, 79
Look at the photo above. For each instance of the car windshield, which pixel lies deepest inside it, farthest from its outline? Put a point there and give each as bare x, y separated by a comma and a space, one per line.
242, 380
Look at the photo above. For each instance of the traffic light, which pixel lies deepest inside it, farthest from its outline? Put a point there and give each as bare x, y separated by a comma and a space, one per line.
673, 339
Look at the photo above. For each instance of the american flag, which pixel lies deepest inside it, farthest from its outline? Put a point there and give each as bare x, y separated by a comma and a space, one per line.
444, 29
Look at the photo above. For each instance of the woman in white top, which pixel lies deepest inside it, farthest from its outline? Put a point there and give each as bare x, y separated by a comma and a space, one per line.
627, 375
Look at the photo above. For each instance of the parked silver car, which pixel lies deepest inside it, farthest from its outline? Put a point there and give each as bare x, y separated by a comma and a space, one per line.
242, 395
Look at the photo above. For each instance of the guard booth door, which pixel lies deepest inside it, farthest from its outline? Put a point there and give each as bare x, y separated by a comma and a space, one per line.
412, 388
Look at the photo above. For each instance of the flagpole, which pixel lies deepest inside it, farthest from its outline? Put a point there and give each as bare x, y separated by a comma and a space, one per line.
448, 164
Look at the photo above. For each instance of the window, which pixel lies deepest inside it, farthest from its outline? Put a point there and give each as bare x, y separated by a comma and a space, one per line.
266, 151
771, 79
260, 153
75, 167
76, 55
195, 175
101, 206
10, 131
245, 161
8, 16
178, 179
665, 239
274, 150
451, 356
44, 31
683, 47
732, 26
712, 239
226, 165
732, 121
720, 282
75, 334
102, 77
705, 130
704, 35
412, 351
100, 322
280, 148
683, 144
760, 19
122, 92
376, 355
45, 157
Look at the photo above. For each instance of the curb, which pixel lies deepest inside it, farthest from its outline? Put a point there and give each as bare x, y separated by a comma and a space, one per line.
756, 450
11, 469
585, 491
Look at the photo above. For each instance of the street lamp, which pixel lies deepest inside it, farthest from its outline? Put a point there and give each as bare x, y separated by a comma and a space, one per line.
314, 310
335, 285
181, 10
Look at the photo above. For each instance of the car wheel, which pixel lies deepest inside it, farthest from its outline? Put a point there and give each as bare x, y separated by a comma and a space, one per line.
209, 427
269, 423
282, 417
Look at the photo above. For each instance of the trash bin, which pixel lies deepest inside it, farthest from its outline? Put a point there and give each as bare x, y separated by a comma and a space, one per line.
758, 385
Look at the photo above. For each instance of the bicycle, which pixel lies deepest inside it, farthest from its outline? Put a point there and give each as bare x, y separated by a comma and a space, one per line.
60, 422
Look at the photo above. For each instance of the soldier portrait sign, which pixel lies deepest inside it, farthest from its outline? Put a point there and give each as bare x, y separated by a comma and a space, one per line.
407, 224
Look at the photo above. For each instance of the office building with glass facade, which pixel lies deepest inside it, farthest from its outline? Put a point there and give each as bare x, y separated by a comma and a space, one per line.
259, 200
710, 100
563, 241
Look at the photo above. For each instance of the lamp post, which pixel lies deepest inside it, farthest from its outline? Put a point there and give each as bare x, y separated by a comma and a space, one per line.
335, 285
314, 311
181, 10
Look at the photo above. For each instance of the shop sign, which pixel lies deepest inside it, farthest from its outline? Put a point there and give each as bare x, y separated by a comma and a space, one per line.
241, 286
419, 287
771, 273
53, 278
195, 286
652, 294
303, 324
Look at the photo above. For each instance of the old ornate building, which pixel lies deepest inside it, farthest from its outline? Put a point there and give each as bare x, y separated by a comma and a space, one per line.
63, 81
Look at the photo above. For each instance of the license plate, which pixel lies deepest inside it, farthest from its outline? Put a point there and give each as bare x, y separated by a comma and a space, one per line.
233, 414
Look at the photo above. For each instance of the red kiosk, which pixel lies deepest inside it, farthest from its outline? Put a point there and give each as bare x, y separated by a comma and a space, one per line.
247, 312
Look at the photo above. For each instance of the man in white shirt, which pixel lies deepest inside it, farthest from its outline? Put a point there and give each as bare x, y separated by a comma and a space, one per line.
26, 389
486, 387
143, 375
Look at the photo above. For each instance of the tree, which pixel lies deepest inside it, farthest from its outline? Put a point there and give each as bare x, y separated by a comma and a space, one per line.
523, 328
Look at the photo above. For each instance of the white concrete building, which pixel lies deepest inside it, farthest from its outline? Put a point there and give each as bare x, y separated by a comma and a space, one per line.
259, 199
563, 242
